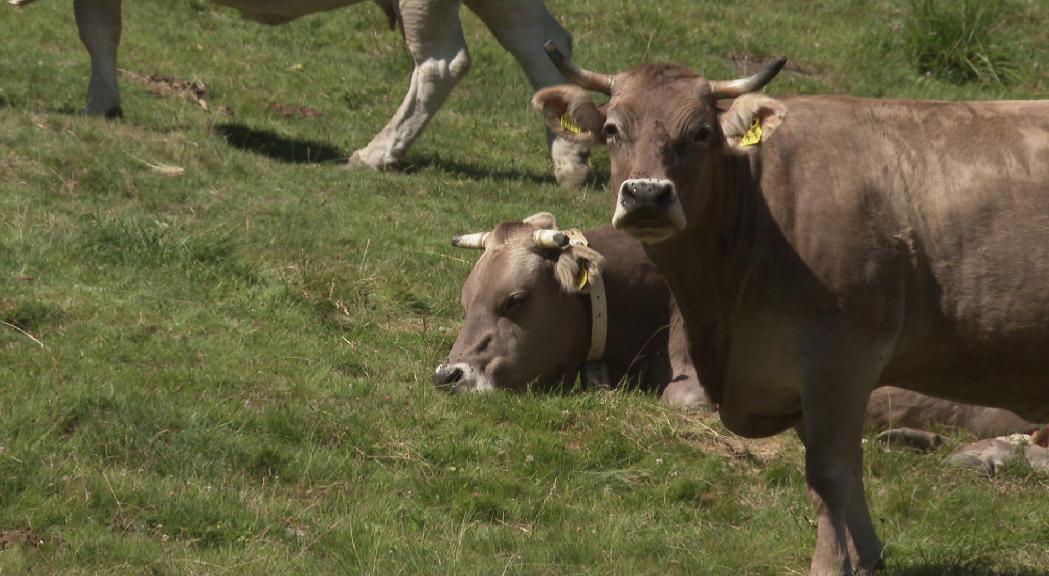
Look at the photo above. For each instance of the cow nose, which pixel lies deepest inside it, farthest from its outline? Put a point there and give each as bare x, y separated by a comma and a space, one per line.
446, 375
647, 193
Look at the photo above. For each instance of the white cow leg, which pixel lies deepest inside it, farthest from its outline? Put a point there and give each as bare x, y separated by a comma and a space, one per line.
98, 22
522, 28
435, 39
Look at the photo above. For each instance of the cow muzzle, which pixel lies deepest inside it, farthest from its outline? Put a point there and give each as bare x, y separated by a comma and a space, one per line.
460, 377
649, 210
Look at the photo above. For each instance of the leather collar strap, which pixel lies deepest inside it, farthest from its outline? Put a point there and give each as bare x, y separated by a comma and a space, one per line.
598, 303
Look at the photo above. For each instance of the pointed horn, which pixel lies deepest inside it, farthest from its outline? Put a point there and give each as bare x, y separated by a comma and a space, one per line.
583, 78
550, 239
476, 240
724, 89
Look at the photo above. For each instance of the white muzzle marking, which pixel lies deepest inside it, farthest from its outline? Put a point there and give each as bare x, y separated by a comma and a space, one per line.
472, 380
653, 194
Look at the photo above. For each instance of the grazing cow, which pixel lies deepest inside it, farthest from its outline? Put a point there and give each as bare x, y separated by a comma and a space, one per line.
433, 33
542, 303
818, 246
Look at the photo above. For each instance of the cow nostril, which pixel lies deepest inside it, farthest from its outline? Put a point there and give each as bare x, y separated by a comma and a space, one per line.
628, 194
665, 198
454, 376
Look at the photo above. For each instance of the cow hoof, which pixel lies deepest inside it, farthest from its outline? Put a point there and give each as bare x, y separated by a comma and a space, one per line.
990, 455
1037, 457
109, 113
363, 160
571, 176
910, 438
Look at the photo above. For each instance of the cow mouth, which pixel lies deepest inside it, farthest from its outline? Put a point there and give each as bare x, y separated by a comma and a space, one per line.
647, 229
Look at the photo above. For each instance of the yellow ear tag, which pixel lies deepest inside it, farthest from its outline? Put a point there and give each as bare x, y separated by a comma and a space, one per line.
753, 135
568, 124
584, 278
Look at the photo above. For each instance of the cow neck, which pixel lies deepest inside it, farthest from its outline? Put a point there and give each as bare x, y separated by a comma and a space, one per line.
595, 371
705, 267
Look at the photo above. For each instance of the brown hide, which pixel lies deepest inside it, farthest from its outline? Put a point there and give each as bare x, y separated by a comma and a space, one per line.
853, 242
892, 407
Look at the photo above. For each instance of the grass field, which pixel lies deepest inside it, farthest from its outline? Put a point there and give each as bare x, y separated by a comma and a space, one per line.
227, 371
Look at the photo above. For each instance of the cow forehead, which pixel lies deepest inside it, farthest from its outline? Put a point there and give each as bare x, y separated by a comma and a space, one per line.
505, 267
660, 91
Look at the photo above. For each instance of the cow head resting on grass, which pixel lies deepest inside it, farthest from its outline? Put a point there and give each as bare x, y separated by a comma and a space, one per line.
526, 281
543, 305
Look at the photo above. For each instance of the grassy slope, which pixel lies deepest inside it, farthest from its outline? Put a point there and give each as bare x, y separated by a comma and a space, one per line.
233, 374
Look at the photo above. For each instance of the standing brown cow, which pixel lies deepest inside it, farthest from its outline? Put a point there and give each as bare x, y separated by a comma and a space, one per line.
820, 245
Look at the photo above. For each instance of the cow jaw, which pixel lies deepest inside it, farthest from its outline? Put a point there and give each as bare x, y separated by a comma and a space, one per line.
649, 210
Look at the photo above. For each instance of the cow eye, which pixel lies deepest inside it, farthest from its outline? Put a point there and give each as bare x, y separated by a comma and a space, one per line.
514, 301
701, 135
610, 130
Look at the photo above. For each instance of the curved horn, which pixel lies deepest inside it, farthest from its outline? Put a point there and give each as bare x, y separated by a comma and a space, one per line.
583, 78
476, 240
723, 89
550, 239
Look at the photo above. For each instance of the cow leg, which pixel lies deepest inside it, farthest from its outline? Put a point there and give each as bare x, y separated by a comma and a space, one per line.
863, 543
522, 28
833, 406
435, 39
98, 22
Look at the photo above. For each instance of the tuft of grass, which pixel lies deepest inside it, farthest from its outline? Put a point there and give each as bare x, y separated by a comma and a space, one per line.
962, 41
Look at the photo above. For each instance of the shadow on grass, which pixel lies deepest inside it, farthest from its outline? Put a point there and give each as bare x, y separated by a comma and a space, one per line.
597, 180
277, 147
473, 172
943, 569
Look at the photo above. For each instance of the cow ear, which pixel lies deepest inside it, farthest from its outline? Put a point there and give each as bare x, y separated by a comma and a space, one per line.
571, 113
751, 120
576, 268
543, 220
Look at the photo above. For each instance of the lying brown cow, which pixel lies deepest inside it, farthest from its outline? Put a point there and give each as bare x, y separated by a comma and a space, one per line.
532, 301
529, 325
819, 245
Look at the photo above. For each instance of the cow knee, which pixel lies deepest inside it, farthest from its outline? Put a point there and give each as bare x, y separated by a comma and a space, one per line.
445, 72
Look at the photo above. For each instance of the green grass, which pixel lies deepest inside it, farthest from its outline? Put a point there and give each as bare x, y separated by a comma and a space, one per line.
964, 41
228, 371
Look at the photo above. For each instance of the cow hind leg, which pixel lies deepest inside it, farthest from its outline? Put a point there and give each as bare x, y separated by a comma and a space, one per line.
99, 23
435, 39
522, 28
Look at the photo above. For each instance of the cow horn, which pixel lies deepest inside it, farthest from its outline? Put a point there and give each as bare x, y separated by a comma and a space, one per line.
724, 89
476, 240
550, 239
583, 78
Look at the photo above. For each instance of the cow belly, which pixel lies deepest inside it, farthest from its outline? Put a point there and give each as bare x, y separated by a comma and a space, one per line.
281, 11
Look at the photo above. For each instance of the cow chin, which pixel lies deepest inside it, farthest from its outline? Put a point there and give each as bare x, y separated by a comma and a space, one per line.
650, 227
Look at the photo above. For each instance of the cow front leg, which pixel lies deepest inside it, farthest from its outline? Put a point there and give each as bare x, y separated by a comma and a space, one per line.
833, 406
435, 39
522, 28
99, 23
864, 547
